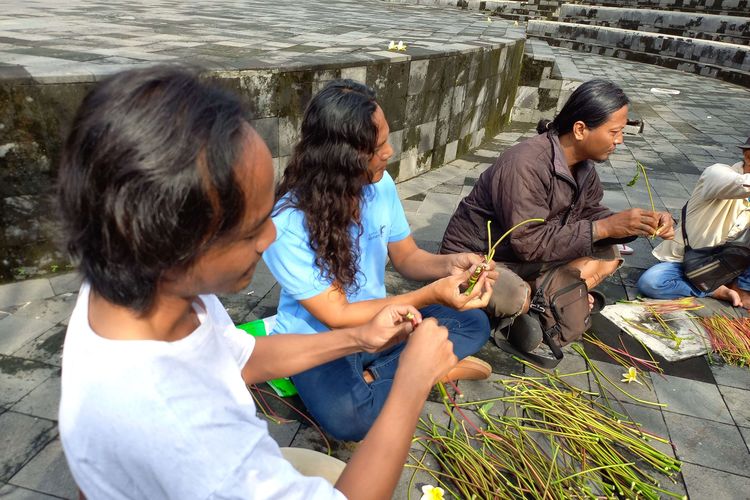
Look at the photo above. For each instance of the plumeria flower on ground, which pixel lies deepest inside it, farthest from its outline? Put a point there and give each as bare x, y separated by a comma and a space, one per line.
631, 376
430, 492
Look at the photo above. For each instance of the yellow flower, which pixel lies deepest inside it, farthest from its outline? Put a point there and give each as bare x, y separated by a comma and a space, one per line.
430, 492
392, 45
631, 376
401, 46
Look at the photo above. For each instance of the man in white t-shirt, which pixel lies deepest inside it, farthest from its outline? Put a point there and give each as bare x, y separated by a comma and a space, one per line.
166, 194
717, 211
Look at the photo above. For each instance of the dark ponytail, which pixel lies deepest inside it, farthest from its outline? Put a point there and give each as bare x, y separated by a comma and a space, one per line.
591, 103
543, 126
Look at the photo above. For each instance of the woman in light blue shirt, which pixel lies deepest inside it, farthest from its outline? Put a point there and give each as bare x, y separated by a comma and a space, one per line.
339, 220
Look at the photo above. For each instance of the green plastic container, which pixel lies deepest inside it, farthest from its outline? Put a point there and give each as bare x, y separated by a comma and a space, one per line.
259, 328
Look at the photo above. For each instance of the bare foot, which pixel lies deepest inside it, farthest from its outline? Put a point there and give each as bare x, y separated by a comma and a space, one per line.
591, 302
727, 295
743, 294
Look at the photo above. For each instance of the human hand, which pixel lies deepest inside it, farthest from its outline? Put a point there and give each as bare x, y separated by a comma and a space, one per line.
428, 355
462, 262
631, 222
391, 325
666, 226
448, 291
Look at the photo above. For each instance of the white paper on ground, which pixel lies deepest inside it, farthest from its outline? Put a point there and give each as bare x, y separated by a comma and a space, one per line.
660, 91
695, 338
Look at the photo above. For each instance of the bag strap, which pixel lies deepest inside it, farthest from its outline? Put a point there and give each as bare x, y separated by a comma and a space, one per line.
552, 345
684, 223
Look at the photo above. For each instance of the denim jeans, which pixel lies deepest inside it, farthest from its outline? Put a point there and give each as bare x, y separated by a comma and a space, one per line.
340, 400
667, 281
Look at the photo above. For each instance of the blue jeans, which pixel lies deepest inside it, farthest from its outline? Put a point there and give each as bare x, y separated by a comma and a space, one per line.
340, 400
667, 281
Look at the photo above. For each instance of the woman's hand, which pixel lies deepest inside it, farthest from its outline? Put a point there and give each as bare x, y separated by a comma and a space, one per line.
448, 291
461, 262
391, 325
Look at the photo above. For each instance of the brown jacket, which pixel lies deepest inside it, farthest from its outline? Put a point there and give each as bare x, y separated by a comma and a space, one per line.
530, 180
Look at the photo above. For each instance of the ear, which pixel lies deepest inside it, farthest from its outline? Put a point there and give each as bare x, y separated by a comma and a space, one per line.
579, 130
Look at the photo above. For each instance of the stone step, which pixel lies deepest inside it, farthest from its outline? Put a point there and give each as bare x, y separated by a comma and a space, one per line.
546, 82
726, 61
722, 28
722, 7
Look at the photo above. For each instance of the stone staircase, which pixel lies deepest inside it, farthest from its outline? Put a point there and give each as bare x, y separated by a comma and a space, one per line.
726, 61
706, 37
720, 28
720, 7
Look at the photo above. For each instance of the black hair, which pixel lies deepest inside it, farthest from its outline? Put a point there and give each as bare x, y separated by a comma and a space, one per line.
591, 103
147, 181
326, 176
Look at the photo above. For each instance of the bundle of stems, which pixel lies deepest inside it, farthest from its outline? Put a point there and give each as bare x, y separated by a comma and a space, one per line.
656, 311
553, 440
668, 306
730, 338
491, 251
623, 356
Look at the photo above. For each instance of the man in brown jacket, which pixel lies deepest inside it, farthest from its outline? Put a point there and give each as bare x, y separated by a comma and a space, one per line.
551, 176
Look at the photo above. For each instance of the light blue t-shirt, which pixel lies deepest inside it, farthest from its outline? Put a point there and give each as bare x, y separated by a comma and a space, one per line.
292, 261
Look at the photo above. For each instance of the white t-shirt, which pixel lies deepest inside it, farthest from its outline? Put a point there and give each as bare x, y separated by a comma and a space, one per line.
152, 419
717, 211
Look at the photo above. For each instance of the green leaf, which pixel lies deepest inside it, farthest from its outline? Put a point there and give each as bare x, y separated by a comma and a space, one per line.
486, 407
635, 177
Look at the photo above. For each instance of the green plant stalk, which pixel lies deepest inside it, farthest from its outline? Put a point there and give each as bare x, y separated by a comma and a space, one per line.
491, 252
506, 445
641, 168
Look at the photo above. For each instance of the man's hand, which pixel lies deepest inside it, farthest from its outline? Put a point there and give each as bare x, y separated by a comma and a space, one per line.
631, 222
428, 355
391, 325
666, 225
448, 291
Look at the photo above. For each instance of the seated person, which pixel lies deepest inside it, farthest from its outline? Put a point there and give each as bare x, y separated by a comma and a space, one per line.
552, 176
339, 219
166, 193
717, 211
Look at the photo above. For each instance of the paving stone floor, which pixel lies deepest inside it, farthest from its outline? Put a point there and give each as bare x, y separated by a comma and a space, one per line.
80, 40
707, 415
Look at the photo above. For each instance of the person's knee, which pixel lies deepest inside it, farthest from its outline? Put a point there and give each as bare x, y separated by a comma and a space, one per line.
510, 296
608, 268
651, 284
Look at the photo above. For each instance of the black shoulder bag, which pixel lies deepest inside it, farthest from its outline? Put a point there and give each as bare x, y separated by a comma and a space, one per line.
709, 268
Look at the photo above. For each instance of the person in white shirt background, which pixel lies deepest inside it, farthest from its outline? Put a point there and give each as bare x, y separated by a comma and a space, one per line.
717, 211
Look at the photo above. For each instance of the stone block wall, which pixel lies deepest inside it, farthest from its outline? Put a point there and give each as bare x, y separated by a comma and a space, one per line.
438, 106
732, 29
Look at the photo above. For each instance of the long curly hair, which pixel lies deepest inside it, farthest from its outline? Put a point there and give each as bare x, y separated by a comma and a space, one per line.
327, 174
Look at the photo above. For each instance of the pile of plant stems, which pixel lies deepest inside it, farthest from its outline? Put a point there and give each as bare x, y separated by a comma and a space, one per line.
730, 338
553, 440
